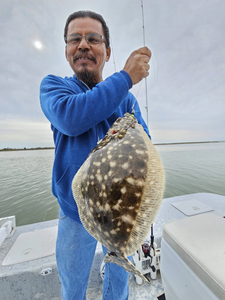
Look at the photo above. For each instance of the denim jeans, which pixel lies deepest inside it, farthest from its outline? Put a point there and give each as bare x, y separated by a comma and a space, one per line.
75, 250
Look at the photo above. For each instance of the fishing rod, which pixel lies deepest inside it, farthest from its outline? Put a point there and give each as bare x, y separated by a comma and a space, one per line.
146, 89
146, 96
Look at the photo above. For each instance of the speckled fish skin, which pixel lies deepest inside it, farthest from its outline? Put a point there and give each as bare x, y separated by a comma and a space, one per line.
119, 190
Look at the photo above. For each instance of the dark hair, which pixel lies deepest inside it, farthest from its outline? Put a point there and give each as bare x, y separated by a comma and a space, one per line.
88, 14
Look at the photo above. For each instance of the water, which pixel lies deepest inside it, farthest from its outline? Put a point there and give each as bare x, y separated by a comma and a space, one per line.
194, 168
25, 186
25, 178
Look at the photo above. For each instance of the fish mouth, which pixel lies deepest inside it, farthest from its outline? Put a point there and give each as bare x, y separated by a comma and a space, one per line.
84, 57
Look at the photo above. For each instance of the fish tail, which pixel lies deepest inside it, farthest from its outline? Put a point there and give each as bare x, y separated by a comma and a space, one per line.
125, 263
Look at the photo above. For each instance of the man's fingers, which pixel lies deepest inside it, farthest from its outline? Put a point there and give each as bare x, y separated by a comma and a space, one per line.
144, 51
137, 65
145, 58
147, 67
145, 55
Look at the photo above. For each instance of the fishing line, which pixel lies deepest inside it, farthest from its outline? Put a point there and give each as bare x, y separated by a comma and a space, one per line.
114, 61
136, 95
139, 89
157, 71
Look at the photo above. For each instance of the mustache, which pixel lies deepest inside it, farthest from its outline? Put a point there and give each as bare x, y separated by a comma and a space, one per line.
80, 55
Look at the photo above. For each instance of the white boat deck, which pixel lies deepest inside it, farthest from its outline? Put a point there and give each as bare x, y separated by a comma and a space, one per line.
143, 291
25, 281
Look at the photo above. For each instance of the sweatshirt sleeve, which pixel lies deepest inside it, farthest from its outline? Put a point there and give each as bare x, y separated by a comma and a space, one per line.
73, 111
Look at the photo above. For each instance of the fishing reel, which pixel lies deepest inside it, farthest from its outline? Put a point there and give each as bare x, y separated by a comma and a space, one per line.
146, 249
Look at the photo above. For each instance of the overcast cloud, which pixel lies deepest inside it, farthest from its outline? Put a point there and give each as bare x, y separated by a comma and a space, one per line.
186, 84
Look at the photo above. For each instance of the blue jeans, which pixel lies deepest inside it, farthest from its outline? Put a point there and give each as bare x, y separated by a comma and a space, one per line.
75, 250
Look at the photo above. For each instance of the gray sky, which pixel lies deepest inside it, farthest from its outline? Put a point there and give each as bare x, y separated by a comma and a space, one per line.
186, 84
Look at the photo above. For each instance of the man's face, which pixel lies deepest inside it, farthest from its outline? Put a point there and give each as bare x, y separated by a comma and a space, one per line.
92, 58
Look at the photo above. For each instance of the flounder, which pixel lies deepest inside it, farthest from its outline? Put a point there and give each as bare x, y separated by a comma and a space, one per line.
119, 190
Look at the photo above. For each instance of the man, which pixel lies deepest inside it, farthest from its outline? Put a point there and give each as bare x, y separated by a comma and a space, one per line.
81, 109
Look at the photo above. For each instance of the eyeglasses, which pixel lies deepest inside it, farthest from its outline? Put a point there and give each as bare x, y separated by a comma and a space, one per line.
91, 39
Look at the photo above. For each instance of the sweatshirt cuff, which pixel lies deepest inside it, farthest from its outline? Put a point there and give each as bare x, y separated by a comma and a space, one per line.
127, 76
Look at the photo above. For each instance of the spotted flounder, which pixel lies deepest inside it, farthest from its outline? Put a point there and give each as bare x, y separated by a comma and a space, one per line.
119, 190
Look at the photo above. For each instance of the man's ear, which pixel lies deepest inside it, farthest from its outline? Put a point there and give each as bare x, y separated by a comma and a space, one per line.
66, 52
108, 54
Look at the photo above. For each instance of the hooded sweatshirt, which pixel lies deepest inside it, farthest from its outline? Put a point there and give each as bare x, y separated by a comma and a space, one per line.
79, 118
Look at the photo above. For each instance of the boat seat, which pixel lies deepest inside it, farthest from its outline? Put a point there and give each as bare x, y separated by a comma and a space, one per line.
193, 258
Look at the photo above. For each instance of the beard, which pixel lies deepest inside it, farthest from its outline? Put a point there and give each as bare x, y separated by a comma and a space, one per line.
86, 76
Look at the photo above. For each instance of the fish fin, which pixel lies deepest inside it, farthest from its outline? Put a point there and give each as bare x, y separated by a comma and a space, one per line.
78, 197
152, 197
126, 264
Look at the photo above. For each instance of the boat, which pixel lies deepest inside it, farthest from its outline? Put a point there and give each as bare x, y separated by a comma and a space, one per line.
187, 230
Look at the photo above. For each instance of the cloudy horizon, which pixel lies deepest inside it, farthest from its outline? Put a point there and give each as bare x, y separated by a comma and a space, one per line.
186, 82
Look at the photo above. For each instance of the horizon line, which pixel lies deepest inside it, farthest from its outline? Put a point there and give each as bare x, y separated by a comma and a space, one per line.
156, 144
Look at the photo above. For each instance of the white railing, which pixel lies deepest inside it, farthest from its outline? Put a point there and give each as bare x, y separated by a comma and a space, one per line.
7, 228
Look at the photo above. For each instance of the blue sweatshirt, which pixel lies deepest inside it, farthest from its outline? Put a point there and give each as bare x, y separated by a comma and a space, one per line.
79, 118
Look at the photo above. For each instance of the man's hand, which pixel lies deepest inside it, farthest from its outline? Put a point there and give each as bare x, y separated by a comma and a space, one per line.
137, 64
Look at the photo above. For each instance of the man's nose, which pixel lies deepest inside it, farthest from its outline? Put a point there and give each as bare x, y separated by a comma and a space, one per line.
83, 44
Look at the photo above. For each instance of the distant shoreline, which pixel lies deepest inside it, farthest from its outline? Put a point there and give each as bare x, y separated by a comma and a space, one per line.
158, 144
25, 149
181, 143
